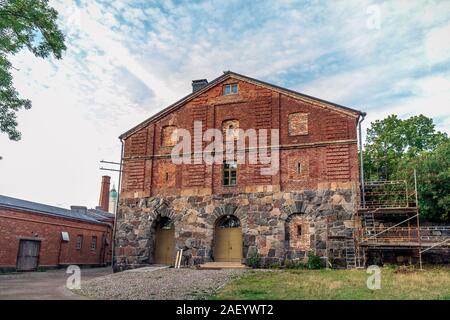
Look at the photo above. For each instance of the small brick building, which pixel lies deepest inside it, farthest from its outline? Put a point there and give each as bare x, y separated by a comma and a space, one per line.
35, 235
166, 206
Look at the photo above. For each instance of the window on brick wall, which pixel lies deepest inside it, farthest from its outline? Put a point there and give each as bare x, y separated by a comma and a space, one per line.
79, 243
230, 89
94, 243
231, 128
169, 136
298, 124
299, 167
229, 173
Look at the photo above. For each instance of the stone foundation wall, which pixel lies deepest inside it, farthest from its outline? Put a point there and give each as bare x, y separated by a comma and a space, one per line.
266, 219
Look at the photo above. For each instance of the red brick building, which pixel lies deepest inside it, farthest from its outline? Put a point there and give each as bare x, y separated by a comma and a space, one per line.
35, 235
166, 206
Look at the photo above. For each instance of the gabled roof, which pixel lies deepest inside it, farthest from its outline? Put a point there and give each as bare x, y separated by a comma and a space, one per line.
229, 74
19, 204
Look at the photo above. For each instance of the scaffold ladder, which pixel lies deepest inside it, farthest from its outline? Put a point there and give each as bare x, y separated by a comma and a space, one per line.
369, 222
352, 258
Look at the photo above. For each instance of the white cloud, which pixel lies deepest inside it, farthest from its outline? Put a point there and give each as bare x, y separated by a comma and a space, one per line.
437, 45
431, 98
128, 59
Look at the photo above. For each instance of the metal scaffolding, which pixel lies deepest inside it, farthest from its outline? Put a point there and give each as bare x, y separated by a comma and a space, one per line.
388, 219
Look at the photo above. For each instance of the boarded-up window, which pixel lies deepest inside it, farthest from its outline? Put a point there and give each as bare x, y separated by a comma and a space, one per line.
231, 128
169, 136
298, 124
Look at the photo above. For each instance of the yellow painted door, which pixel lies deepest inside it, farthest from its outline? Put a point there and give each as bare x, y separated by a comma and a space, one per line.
235, 243
165, 246
228, 245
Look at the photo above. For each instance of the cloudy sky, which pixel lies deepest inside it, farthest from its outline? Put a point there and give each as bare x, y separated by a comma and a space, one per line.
128, 59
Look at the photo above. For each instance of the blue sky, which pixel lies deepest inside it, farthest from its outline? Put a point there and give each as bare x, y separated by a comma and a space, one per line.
128, 59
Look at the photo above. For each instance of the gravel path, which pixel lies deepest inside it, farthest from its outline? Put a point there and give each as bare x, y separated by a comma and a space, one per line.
177, 284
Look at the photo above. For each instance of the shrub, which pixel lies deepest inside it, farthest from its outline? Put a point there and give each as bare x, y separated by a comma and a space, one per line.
254, 261
294, 264
41, 269
314, 261
273, 265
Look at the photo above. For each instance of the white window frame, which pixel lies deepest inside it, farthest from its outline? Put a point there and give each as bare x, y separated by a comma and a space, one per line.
230, 89
94, 243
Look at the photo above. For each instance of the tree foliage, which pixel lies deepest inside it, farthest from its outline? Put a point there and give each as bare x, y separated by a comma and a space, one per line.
29, 24
433, 176
395, 147
392, 139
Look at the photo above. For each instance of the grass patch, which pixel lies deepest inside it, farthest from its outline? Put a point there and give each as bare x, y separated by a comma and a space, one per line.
433, 283
7, 270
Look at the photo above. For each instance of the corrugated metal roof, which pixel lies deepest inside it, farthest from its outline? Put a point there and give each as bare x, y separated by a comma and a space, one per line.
14, 203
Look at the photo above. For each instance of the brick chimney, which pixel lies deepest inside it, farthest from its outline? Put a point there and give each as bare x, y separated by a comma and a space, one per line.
103, 203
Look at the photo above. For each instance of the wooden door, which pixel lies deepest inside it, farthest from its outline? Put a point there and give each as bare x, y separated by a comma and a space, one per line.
165, 246
28, 257
228, 245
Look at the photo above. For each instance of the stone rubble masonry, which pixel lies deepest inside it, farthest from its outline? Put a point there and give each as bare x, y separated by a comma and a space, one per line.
266, 218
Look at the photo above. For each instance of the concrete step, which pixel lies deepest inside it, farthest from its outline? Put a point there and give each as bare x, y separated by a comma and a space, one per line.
221, 265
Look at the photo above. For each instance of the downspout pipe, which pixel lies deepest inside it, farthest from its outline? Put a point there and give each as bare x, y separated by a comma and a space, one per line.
113, 260
361, 165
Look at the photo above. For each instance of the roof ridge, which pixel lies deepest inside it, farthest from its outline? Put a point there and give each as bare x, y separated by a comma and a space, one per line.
16, 203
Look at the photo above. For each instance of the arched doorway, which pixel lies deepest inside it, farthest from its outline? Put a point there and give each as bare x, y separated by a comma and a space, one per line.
228, 240
164, 241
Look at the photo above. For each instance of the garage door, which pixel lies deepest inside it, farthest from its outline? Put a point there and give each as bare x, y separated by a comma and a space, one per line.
28, 257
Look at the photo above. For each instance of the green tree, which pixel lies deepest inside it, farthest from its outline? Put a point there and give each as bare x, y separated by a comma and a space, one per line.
391, 140
29, 24
433, 181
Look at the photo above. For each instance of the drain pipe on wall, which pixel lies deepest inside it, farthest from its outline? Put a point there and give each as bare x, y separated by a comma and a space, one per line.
363, 115
113, 262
